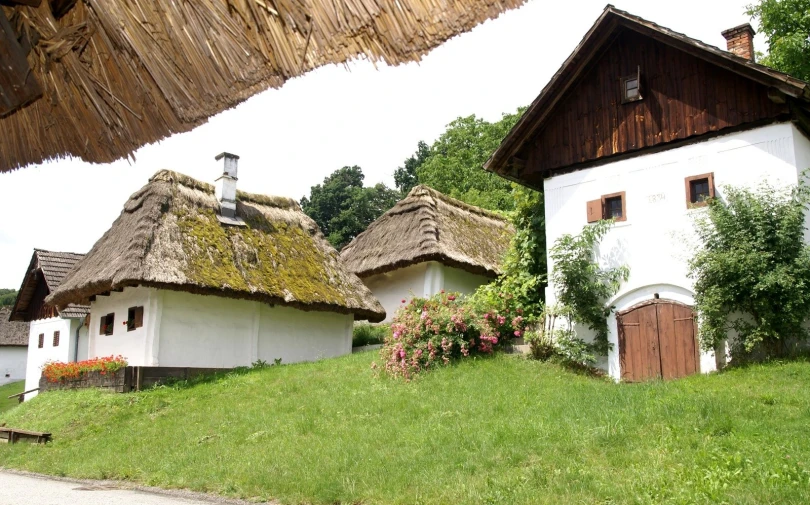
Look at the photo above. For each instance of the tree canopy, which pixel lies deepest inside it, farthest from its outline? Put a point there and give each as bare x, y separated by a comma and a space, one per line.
7, 297
343, 208
786, 25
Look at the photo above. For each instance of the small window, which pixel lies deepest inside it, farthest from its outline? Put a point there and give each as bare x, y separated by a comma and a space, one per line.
699, 190
41, 343
56, 339
631, 87
106, 324
134, 318
612, 206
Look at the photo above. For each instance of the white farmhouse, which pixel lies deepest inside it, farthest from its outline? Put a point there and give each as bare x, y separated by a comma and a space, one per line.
642, 124
54, 335
13, 348
193, 275
426, 243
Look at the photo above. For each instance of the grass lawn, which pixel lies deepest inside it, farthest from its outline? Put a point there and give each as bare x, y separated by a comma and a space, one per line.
497, 430
11, 388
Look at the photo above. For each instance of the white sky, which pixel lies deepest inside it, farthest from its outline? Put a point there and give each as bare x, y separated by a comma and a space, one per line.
290, 139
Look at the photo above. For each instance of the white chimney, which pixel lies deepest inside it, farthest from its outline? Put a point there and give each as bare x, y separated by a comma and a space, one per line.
226, 185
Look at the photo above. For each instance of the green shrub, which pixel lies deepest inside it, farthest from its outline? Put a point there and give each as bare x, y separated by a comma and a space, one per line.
370, 334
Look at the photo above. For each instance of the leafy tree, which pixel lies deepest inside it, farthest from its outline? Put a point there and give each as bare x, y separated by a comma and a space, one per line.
343, 208
455, 160
405, 177
752, 274
582, 286
786, 25
7, 297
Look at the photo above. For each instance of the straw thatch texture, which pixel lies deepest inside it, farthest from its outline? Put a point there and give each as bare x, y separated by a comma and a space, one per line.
168, 236
50, 267
429, 226
12, 333
120, 74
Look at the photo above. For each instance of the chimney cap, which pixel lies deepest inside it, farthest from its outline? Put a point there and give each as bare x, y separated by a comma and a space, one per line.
731, 31
226, 155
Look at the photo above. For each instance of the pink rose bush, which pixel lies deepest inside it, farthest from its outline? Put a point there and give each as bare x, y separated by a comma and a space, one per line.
430, 332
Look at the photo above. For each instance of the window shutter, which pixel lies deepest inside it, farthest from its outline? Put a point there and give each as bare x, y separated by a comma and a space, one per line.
102, 323
138, 317
594, 210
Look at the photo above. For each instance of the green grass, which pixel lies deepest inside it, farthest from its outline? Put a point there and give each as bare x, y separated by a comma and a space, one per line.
11, 388
499, 430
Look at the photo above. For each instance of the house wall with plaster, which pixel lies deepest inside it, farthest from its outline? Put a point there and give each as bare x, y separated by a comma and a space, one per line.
188, 330
12, 363
66, 351
420, 280
657, 239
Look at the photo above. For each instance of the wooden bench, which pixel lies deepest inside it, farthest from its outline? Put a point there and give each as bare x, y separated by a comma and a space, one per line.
14, 435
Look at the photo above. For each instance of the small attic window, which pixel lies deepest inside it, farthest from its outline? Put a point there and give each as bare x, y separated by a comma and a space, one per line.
699, 190
631, 87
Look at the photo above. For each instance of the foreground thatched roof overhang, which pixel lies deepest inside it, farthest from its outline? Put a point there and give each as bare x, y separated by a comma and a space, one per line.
169, 237
99, 79
511, 159
430, 226
44, 275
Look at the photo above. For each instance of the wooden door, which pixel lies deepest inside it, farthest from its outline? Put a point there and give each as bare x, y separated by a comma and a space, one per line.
657, 339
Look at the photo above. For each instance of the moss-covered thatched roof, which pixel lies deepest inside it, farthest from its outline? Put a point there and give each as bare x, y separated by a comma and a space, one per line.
99, 79
168, 236
430, 226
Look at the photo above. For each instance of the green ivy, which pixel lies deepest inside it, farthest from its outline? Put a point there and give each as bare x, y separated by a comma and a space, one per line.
752, 274
582, 286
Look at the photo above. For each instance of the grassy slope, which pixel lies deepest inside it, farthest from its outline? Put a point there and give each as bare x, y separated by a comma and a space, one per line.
500, 430
11, 388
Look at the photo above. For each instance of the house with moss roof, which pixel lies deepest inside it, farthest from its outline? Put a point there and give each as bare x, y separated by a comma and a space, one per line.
426, 243
199, 275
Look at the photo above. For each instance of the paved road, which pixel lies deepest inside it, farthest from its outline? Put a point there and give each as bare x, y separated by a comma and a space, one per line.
29, 489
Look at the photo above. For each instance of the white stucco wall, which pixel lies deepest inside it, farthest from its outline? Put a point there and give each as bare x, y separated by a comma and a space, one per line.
288, 334
421, 280
657, 239
133, 345
12, 363
64, 352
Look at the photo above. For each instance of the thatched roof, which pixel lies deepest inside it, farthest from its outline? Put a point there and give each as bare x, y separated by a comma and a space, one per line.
45, 273
429, 226
168, 236
12, 333
115, 75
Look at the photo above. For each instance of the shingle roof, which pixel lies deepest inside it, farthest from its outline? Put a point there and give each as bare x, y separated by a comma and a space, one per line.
12, 333
54, 266
430, 226
168, 236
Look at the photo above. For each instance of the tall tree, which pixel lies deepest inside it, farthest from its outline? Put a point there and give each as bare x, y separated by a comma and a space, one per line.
786, 25
405, 177
343, 208
454, 164
7, 297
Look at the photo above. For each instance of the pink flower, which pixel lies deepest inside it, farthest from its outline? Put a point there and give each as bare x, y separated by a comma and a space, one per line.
451, 297
403, 300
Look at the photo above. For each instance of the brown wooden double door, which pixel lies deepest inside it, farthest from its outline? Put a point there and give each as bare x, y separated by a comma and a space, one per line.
657, 340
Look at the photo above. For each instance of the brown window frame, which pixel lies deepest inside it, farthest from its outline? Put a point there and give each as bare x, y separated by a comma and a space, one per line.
134, 318
688, 184
41, 342
602, 202
56, 339
107, 324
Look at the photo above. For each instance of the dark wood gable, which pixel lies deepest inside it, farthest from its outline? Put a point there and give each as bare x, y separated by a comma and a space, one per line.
683, 96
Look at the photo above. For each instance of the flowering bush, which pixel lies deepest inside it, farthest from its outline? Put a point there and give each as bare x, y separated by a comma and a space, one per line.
56, 371
427, 332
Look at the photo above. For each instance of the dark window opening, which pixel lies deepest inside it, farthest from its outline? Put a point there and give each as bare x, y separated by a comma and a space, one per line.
134, 318
106, 324
699, 190
631, 87
56, 339
41, 342
613, 208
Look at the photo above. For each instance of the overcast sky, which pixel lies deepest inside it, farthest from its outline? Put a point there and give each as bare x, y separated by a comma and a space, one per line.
290, 139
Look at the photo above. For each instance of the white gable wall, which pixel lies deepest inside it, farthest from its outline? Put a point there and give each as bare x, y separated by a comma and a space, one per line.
420, 280
657, 239
12, 363
64, 352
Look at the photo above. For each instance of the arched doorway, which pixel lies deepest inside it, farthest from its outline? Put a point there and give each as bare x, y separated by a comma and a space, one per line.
657, 340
